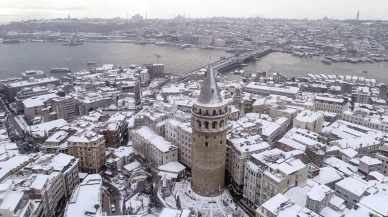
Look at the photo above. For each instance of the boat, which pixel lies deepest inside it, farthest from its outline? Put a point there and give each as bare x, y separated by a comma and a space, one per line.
161, 43
59, 70
11, 41
364, 71
90, 63
243, 64
352, 60
73, 42
186, 45
257, 58
326, 61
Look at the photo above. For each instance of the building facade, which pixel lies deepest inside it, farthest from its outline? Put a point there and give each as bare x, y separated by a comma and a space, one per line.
89, 148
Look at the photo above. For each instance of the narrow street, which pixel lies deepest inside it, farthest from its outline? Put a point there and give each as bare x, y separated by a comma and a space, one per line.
11, 118
111, 198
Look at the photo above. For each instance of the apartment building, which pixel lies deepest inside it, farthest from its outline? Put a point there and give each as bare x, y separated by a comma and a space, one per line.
368, 164
309, 120
50, 178
89, 148
152, 147
239, 149
11, 89
364, 118
382, 155
64, 107
362, 94
28, 92
269, 173
279, 206
185, 143
351, 189
265, 90
330, 104
14, 204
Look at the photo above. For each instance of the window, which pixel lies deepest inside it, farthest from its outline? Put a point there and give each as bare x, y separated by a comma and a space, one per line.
206, 144
214, 124
206, 125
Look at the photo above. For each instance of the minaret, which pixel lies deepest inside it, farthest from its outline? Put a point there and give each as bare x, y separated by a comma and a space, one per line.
209, 121
358, 14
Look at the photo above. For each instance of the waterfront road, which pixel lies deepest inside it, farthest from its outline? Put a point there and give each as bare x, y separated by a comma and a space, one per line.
15, 126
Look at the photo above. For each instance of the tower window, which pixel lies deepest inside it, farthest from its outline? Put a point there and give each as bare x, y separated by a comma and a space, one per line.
214, 124
214, 113
207, 112
206, 144
198, 124
206, 125
221, 123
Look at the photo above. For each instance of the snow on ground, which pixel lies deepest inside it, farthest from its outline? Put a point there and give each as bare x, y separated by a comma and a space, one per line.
202, 204
139, 202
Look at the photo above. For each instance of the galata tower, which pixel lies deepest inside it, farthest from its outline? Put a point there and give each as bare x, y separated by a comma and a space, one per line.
209, 121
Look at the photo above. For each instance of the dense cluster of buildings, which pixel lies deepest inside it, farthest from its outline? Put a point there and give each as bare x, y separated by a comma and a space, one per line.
307, 146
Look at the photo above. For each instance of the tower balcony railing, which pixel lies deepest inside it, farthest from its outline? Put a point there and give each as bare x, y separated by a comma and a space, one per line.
210, 115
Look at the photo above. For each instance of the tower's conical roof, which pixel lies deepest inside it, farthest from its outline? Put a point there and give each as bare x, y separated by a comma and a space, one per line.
210, 93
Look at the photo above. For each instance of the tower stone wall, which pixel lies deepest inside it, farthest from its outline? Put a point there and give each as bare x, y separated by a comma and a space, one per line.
209, 151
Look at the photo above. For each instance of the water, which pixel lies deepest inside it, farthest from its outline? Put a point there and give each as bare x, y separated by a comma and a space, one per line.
292, 66
17, 58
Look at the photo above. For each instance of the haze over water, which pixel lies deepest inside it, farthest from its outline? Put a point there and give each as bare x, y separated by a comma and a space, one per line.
17, 58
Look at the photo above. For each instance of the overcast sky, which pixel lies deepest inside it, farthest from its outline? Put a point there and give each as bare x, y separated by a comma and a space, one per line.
14, 10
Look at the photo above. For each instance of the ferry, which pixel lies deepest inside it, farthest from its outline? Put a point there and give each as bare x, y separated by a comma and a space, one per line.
185, 46
73, 42
326, 61
11, 41
59, 70
161, 43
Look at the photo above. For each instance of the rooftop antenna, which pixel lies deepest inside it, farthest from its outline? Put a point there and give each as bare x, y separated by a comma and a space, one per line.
146, 15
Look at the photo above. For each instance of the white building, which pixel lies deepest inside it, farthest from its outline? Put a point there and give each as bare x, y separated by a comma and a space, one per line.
309, 120
330, 104
271, 172
87, 198
14, 204
382, 155
363, 94
185, 143
279, 206
365, 118
262, 89
152, 147
239, 149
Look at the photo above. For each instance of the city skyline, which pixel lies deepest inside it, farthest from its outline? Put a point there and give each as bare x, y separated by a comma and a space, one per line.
299, 9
